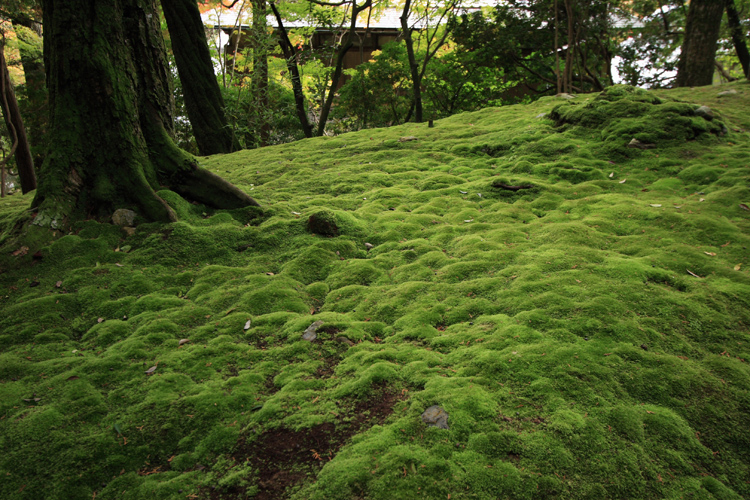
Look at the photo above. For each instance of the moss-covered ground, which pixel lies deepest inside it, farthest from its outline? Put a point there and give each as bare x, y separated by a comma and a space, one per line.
588, 333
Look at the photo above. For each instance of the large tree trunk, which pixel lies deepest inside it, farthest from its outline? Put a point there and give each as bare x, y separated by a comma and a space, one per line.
413, 67
110, 120
696, 64
16, 130
738, 37
203, 100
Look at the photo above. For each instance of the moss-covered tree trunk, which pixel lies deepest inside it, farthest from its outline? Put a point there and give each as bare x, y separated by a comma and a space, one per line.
696, 64
16, 129
34, 108
203, 100
110, 117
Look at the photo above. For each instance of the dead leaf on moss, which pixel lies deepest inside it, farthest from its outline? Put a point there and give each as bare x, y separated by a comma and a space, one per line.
744, 207
184, 341
151, 370
738, 266
712, 254
656, 205
21, 252
623, 181
691, 273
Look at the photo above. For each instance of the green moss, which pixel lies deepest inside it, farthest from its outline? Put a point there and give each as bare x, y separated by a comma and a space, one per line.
559, 326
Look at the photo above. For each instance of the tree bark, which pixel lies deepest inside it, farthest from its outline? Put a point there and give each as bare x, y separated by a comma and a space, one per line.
341, 52
203, 100
290, 54
416, 80
110, 118
16, 130
34, 108
260, 69
696, 64
738, 37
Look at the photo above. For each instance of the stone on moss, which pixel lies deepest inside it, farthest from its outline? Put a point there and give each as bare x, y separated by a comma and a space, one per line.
123, 217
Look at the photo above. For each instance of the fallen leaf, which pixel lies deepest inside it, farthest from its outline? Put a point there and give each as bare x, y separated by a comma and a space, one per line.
247, 325
151, 370
100, 320
184, 341
296, 213
656, 205
58, 284
702, 199
33, 284
623, 181
738, 266
649, 412
726, 244
611, 175
269, 274
744, 207
118, 264
691, 273
469, 220
712, 254
21, 252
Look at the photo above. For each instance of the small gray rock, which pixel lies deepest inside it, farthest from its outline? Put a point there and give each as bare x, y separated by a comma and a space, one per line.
635, 143
564, 95
310, 333
541, 115
129, 231
435, 416
123, 217
369, 246
726, 93
705, 112
407, 138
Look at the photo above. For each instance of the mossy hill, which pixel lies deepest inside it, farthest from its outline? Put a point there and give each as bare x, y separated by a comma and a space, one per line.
578, 307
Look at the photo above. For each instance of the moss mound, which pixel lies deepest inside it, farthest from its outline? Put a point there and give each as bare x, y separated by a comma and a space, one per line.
622, 113
579, 309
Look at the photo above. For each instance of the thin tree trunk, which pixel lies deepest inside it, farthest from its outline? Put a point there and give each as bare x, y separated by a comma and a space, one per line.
260, 69
16, 130
738, 37
35, 109
413, 67
111, 118
569, 53
557, 49
203, 99
290, 54
341, 53
696, 64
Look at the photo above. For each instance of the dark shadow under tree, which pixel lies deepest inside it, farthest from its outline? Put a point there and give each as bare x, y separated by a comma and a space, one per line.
111, 118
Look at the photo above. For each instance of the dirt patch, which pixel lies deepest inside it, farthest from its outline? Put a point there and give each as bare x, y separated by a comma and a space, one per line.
284, 458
